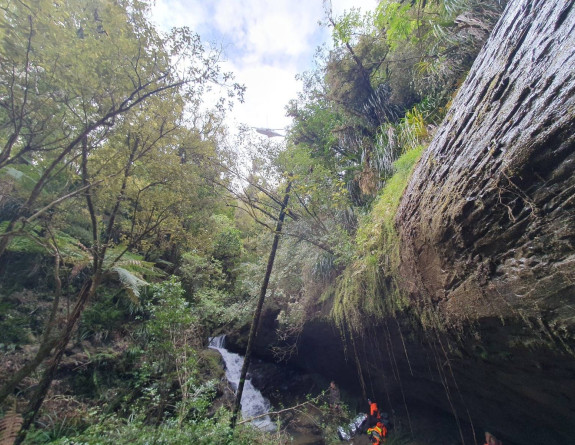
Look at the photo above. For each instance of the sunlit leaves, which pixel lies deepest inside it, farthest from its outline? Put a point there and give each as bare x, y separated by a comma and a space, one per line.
399, 21
94, 95
350, 26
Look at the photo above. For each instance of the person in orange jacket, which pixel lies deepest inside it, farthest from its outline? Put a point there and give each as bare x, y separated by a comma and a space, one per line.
374, 415
378, 433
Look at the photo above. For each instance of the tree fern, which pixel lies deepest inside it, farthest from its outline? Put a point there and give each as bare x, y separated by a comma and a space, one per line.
118, 256
454, 7
130, 269
27, 242
130, 282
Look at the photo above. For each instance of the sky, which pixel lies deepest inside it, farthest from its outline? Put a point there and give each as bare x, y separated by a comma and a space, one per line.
265, 44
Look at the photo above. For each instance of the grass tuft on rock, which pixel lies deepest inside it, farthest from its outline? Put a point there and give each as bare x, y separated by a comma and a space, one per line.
367, 287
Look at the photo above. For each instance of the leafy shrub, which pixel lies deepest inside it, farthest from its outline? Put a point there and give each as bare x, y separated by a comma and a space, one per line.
198, 272
134, 431
102, 317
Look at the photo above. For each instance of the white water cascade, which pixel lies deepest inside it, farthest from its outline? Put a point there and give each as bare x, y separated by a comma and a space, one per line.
253, 403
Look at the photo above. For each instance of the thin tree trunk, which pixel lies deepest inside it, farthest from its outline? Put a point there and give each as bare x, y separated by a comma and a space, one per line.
26, 370
47, 341
87, 292
257, 314
38, 398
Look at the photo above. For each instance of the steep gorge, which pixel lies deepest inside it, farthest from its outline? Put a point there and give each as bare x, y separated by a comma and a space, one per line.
473, 326
487, 245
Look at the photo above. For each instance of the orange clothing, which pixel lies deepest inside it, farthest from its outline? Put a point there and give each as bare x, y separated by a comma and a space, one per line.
373, 411
490, 439
378, 433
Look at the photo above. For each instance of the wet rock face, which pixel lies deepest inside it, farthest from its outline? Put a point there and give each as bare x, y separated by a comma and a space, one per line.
487, 223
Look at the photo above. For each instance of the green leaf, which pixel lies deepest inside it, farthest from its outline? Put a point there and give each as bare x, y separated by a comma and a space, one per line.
130, 282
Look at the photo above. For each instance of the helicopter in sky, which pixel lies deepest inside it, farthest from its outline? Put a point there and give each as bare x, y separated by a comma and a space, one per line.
270, 132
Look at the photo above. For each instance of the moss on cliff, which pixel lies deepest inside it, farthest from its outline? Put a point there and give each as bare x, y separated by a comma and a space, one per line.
367, 286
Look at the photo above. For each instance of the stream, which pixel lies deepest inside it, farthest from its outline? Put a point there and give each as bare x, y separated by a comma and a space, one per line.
253, 402
304, 428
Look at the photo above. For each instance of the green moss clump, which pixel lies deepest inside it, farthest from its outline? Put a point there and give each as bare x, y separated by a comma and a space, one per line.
367, 286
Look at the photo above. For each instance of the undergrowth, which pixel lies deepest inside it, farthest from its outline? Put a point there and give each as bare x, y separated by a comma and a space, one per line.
134, 431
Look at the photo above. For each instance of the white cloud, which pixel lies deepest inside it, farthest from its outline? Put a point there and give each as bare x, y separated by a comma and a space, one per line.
267, 28
266, 43
171, 13
269, 89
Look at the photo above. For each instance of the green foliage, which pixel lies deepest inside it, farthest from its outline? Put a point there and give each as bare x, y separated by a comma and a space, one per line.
28, 242
171, 368
171, 316
397, 19
367, 286
113, 430
109, 313
365, 115
93, 96
314, 124
218, 308
67, 75
54, 430
198, 271
379, 227
214, 264
24, 176
388, 72
314, 181
227, 248
130, 282
352, 23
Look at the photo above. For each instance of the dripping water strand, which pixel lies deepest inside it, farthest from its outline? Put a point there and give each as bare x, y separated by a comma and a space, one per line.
382, 361
390, 346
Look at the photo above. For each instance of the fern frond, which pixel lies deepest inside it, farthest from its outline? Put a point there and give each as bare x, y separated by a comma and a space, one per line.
9, 427
143, 268
130, 261
25, 175
25, 241
130, 282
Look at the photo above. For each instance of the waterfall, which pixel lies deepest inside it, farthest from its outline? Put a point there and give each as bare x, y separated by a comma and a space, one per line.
253, 403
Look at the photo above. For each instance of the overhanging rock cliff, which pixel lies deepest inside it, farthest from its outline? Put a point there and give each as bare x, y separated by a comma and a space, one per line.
487, 223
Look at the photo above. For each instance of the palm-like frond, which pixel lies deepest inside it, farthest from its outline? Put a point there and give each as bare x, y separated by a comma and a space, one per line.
118, 256
25, 175
130, 282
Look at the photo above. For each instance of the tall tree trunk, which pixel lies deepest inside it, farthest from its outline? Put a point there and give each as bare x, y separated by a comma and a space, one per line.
258, 312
